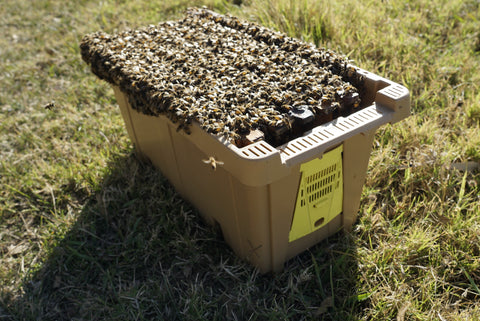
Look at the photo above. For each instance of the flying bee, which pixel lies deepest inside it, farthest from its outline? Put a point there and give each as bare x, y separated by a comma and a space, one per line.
50, 105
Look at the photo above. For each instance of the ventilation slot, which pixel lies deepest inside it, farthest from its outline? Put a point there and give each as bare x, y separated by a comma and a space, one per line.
284, 152
292, 144
305, 140
266, 147
394, 91
299, 142
323, 134
321, 183
342, 125
361, 120
297, 146
291, 150
354, 120
259, 149
370, 113
362, 116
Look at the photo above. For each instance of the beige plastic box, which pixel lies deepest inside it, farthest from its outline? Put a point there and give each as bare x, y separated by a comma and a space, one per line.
272, 202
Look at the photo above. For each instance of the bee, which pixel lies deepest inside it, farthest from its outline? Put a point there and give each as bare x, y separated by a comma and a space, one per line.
351, 71
50, 105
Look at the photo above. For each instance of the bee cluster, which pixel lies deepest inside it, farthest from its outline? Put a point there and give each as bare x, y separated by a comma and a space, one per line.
235, 78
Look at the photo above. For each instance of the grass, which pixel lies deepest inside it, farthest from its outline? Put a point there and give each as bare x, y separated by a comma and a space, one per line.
89, 232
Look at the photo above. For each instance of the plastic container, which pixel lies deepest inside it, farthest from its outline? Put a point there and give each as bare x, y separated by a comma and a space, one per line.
272, 202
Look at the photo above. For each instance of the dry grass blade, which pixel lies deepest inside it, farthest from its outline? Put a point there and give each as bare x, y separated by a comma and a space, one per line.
402, 311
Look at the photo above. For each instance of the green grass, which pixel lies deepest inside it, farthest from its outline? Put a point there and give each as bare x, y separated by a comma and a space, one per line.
89, 232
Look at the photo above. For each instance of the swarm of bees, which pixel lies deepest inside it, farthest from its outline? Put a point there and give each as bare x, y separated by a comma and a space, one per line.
235, 78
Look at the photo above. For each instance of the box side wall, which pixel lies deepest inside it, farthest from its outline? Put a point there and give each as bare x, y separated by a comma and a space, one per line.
253, 224
283, 196
356, 155
155, 141
242, 211
209, 190
151, 137
125, 111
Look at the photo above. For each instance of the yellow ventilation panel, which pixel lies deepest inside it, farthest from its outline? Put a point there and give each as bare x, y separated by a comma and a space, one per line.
320, 194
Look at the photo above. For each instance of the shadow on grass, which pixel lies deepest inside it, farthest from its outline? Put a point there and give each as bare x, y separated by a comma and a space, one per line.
139, 252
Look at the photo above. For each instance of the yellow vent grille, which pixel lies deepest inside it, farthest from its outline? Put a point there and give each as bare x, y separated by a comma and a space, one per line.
320, 194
